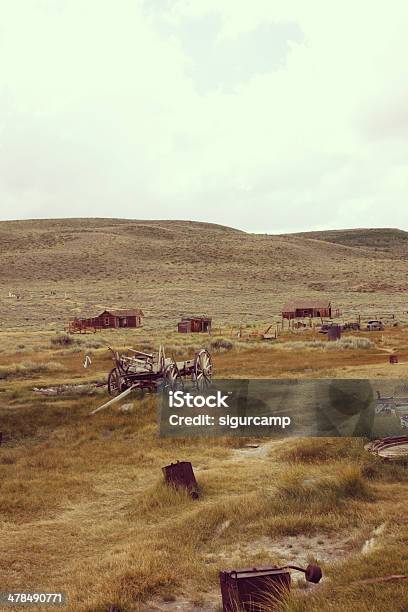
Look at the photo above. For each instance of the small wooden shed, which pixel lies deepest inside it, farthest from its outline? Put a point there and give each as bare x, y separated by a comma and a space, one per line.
306, 309
120, 318
194, 325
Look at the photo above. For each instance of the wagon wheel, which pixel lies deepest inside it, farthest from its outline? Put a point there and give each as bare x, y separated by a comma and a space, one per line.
114, 382
172, 380
202, 369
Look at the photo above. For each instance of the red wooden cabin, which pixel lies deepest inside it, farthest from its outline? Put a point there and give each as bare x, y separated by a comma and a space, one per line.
306, 309
110, 319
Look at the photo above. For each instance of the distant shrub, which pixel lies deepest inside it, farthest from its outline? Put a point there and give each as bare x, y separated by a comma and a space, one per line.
349, 483
300, 345
7, 459
62, 340
298, 487
318, 450
94, 344
375, 468
16, 393
351, 343
27, 368
324, 345
51, 366
72, 350
221, 344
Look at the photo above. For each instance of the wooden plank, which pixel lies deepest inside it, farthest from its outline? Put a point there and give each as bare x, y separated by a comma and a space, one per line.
114, 400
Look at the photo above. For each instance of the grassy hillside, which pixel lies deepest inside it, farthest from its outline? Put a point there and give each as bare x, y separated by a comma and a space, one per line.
384, 239
69, 267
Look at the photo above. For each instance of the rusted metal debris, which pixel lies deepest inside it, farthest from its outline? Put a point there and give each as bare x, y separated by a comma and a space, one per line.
391, 404
334, 332
394, 447
254, 589
270, 335
88, 388
351, 326
326, 327
181, 475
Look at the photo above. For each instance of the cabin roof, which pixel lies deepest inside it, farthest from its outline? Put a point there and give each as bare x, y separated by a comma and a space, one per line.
196, 318
306, 305
124, 312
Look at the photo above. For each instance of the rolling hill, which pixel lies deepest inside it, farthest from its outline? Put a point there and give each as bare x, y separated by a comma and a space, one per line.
67, 267
388, 240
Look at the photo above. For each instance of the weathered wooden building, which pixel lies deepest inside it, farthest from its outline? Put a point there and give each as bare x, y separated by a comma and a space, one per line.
194, 324
306, 309
131, 317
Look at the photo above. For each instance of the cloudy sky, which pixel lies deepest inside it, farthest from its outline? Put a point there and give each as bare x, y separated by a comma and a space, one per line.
268, 115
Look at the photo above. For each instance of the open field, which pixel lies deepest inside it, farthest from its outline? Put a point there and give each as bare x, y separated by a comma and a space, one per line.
84, 510
295, 354
83, 507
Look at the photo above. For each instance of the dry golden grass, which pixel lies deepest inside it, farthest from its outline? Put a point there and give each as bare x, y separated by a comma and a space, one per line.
83, 501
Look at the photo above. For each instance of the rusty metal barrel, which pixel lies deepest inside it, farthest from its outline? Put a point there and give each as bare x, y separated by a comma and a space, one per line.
181, 475
259, 588
334, 332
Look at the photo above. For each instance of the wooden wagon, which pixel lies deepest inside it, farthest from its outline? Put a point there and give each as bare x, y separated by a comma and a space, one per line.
155, 371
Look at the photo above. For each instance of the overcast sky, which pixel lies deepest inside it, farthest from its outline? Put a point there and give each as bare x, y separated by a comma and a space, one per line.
266, 115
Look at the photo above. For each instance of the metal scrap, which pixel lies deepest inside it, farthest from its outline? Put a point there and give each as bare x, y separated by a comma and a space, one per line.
394, 447
181, 474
